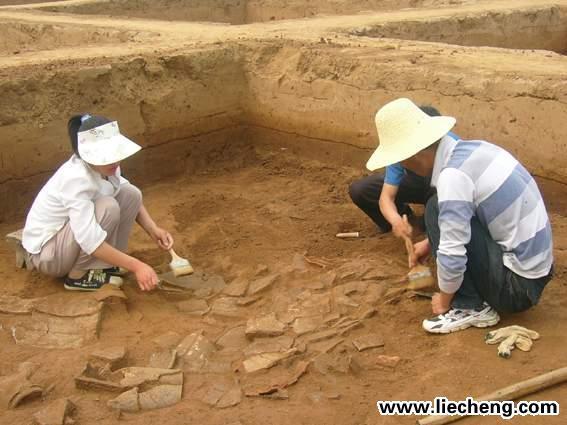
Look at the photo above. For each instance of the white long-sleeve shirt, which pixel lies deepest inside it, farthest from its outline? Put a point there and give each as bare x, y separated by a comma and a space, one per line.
68, 196
477, 178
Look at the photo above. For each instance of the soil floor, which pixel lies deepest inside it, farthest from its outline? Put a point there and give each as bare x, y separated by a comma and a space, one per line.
267, 214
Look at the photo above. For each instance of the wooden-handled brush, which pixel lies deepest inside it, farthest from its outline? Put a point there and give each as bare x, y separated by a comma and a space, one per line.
179, 266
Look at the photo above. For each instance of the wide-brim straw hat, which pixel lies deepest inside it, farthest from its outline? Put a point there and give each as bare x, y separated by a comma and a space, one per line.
403, 131
104, 145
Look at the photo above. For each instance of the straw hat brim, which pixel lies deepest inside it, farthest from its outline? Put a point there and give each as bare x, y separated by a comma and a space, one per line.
422, 136
114, 149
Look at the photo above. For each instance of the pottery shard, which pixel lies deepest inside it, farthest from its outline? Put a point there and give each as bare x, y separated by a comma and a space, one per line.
16, 305
163, 359
226, 306
111, 356
269, 345
16, 388
219, 394
234, 339
278, 382
126, 402
267, 325
387, 361
160, 396
303, 325
368, 341
262, 284
108, 292
63, 305
237, 287
196, 352
136, 376
54, 414
266, 360
193, 307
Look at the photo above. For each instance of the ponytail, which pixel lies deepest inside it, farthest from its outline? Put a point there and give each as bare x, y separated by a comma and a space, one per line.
83, 122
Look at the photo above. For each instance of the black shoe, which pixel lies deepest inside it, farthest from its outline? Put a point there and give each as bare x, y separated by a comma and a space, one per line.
91, 281
116, 271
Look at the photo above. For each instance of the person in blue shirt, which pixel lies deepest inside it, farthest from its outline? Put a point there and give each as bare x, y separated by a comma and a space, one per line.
384, 197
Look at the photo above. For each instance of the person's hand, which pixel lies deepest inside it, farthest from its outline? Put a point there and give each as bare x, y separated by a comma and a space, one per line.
146, 277
422, 250
162, 238
402, 228
440, 303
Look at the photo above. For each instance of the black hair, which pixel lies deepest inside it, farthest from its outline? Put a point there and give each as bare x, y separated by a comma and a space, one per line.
83, 122
430, 110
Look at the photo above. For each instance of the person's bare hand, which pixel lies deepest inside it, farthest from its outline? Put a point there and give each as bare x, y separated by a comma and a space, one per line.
146, 277
402, 228
162, 238
422, 250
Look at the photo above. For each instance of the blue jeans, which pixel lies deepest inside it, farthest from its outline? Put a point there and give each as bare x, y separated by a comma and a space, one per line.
486, 278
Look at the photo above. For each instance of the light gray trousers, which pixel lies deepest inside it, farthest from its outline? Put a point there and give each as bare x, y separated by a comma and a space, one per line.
62, 253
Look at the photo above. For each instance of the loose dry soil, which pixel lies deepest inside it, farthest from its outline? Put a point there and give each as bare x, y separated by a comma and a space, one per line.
254, 190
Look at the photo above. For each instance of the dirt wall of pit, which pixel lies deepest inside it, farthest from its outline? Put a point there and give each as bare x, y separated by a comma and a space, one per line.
181, 108
331, 93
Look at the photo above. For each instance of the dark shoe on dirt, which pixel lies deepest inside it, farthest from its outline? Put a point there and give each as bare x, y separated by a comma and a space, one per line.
116, 271
92, 280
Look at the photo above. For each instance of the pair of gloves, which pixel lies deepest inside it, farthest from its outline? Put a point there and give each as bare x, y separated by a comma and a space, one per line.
511, 337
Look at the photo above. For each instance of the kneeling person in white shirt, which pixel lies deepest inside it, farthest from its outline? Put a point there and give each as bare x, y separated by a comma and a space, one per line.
79, 223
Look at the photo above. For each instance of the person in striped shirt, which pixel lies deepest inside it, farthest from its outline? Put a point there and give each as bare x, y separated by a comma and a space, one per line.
487, 225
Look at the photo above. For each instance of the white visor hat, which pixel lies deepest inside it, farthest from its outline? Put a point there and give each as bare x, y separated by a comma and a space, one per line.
105, 145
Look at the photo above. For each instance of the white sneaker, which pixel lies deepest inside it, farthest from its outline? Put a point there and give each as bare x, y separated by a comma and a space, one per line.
458, 319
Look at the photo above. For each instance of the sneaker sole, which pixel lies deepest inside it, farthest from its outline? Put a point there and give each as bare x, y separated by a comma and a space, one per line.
74, 288
483, 324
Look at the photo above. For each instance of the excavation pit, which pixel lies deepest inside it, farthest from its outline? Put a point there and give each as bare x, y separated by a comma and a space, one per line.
543, 28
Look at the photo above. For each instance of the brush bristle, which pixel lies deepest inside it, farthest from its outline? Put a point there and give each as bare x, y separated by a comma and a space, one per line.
183, 270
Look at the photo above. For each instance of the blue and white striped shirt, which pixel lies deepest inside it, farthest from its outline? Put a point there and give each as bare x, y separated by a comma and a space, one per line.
477, 178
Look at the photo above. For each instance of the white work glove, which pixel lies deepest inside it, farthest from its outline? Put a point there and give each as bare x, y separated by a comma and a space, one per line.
510, 337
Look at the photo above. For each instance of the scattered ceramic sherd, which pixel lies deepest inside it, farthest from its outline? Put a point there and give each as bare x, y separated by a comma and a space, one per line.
16, 305
96, 378
56, 413
324, 346
327, 363
114, 357
328, 279
387, 361
237, 287
266, 360
303, 325
261, 269
233, 339
163, 359
108, 292
193, 307
243, 301
346, 301
195, 352
220, 394
269, 345
356, 287
126, 402
278, 394
17, 388
262, 284
277, 382
368, 341
160, 396
198, 281
136, 376
63, 305
168, 340
267, 325
320, 336
226, 306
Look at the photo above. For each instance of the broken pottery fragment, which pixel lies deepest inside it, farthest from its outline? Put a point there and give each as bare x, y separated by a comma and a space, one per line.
17, 388
327, 363
303, 325
198, 281
324, 346
163, 359
65, 305
237, 287
97, 378
160, 396
56, 413
233, 339
243, 301
126, 402
227, 306
267, 325
135, 376
368, 341
262, 283
220, 394
264, 386
108, 292
387, 361
193, 307
195, 352
113, 357
266, 360
16, 305
269, 345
